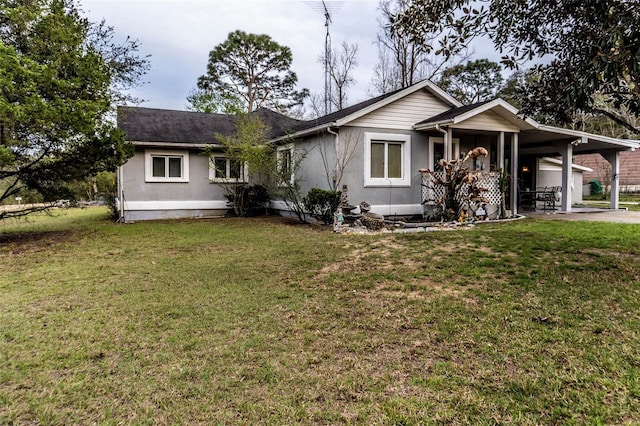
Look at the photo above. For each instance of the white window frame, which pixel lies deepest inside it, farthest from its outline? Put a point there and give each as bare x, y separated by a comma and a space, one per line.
212, 171
279, 152
149, 155
405, 140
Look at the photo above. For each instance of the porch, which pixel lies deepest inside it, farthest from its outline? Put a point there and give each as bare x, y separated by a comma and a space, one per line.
515, 143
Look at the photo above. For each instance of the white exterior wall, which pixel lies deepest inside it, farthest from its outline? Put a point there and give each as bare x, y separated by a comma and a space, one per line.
551, 175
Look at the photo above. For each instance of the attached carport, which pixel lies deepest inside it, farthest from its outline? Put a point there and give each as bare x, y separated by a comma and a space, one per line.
549, 141
519, 136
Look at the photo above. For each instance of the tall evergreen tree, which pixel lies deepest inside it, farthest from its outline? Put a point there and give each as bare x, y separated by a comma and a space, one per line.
254, 69
475, 81
59, 77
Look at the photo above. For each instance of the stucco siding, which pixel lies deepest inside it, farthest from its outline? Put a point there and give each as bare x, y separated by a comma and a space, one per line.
385, 200
488, 120
153, 200
318, 158
403, 113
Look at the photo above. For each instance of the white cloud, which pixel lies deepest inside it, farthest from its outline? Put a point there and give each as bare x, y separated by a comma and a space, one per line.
179, 34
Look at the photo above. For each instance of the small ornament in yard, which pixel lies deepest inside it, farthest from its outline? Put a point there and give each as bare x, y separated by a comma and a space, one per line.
481, 213
338, 220
344, 201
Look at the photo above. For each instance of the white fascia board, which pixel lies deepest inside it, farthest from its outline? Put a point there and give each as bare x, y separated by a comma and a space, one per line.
493, 104
303, 133
432, 125
559, 163
483, 108
401, 94
173, 144
626, 143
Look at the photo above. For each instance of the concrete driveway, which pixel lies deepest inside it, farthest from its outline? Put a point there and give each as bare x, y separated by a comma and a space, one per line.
589, 214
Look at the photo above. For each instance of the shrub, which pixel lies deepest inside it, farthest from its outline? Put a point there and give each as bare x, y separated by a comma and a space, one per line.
247, 200
321, 204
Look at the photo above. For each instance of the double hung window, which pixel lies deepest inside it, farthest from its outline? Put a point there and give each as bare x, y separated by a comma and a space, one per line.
225, 169
285, 164
161, 166
387, 159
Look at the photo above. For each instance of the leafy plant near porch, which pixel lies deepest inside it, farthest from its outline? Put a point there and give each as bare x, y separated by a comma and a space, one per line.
461, 189
248, 200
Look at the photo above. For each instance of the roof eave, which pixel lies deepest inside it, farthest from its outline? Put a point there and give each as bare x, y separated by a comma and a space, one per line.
632, 145
174, 144
304, 132
433, 125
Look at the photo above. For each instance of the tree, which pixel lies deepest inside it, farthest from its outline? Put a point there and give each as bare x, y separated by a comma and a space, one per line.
202, 100
59, 77
589, 48
254, 69
341, 64
267, 167
473, 82
404, 58
245, 151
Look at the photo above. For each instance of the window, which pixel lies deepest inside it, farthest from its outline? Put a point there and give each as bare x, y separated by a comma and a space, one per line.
166, 166
224, 169
387, 159
285, 164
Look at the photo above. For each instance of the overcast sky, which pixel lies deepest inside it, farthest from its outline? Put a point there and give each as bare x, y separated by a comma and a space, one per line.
179, 34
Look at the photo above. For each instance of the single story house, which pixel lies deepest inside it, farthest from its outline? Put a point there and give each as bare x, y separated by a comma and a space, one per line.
375, 148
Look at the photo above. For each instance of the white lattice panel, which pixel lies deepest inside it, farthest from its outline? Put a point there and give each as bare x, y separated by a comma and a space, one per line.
431, 192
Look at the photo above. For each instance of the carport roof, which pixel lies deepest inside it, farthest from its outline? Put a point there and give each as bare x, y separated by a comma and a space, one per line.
533, 136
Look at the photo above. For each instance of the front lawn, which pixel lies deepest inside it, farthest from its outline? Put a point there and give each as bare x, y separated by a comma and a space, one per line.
263, 321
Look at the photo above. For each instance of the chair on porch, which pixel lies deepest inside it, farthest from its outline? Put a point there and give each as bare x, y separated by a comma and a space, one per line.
550, 196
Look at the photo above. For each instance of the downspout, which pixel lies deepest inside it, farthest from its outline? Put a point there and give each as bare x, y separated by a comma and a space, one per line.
445, 141
337, 170
120, 194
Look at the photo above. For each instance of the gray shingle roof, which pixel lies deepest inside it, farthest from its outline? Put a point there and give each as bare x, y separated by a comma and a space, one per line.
161, 125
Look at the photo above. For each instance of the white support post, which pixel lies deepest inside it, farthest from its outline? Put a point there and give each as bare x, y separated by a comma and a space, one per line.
567, 176
500, 164
449, 146
514, 173
614, 159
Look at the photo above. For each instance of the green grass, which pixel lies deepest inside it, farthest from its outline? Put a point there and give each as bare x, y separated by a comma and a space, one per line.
629, 201
632, 198
262, 321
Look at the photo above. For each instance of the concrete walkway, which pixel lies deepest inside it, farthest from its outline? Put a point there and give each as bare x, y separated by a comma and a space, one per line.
589, 214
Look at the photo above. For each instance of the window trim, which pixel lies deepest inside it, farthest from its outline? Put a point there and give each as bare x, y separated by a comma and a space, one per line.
405, 140
227, 179
289, 148
150, 154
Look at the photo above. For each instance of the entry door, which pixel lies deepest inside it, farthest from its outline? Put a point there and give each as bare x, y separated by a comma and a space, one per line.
436, 151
